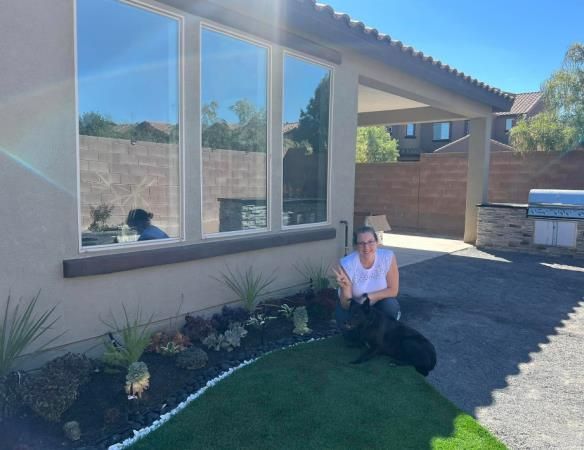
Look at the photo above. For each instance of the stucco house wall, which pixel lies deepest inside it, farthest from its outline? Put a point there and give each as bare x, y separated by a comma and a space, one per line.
38, 169
42, 176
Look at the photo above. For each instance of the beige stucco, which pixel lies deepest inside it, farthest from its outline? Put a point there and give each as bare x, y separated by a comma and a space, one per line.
38, 169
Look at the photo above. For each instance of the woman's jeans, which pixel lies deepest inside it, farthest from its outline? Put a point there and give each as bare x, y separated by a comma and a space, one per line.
388, 306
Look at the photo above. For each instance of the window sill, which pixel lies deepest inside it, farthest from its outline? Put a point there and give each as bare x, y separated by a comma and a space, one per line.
119, 262
409, 137
441, 140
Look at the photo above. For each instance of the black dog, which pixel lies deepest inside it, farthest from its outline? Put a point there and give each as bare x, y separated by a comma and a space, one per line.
385, 335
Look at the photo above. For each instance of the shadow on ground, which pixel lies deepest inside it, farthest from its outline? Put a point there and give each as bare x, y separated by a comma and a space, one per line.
509, 332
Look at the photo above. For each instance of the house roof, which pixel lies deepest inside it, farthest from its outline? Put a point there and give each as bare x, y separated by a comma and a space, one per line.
385, 39
523, 103
461, 146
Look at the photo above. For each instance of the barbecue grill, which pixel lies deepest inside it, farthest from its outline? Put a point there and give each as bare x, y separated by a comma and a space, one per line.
556, 204
556, 213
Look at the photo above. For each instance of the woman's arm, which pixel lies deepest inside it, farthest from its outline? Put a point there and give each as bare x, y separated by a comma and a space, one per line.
345, 286
392, 288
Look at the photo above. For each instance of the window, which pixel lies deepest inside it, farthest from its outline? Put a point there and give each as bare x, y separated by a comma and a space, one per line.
234, 124
410, 130
441, 131
128, 103
508, 124
306, 141
466, 127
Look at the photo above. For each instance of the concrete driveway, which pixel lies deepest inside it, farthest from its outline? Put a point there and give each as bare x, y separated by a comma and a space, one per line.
509, 332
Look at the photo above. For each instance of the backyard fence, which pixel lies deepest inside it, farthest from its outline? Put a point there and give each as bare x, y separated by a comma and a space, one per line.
430, 195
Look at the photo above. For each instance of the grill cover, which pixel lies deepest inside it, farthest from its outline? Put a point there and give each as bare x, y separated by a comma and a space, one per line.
556, 203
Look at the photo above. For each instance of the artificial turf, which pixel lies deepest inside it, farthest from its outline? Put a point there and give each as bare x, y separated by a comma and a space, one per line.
310, 397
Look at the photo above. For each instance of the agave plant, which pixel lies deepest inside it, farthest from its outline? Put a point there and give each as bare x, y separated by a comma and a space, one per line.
134, 335
19, 329
316, 274
249, 286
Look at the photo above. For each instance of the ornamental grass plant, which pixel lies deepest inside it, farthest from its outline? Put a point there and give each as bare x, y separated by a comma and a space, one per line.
20, 328
248, 286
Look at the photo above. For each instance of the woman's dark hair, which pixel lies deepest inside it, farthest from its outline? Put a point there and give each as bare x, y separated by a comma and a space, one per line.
137, 217
362, 230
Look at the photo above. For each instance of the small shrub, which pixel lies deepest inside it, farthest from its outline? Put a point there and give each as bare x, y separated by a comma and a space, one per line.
286, 311
315, 274
259, 321
197, 328
248, 286
134, 340
228, 315
51, 391
99, 216
157, 341
192, 359
137, 379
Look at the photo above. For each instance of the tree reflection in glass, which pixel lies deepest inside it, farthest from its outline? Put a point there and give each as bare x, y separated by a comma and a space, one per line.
128, 101
234, 133
306, 137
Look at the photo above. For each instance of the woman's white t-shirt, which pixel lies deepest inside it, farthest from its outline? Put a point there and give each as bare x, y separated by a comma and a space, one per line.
368, 280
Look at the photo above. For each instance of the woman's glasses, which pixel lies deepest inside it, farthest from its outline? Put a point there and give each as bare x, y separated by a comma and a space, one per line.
364, 244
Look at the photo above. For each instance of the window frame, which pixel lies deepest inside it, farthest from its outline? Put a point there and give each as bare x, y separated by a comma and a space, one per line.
331, 69
449, 132
180, 20
211, 26
410, 136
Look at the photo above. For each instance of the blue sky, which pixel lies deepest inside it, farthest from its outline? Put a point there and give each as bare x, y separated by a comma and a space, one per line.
127, 56
513, 45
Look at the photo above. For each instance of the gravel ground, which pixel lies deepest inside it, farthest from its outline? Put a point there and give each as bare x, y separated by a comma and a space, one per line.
509, 333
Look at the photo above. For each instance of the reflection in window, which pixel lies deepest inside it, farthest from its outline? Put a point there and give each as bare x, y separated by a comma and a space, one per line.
127, 59
508, 124
441, 131
306, 137
234, 133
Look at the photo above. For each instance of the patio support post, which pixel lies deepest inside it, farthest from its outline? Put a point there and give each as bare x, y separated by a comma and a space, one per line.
477, 182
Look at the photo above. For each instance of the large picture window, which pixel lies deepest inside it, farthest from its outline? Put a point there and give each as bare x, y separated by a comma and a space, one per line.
306, 141
128, 102
234, 125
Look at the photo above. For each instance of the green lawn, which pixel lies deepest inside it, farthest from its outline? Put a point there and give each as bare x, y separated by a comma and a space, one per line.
310, 397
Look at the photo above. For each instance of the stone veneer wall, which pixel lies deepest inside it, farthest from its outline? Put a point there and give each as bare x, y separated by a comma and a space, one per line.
507, 227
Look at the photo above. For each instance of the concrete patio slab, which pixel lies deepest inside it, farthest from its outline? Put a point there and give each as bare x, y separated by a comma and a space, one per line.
509, 334
411, 249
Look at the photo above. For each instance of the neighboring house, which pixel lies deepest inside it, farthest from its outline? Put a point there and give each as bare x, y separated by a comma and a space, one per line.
417, 138
223, 181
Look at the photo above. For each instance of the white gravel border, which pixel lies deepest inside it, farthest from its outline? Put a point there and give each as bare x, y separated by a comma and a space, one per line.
139, 434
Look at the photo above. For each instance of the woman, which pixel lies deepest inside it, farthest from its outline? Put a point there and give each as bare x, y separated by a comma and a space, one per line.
139, 220
368, 273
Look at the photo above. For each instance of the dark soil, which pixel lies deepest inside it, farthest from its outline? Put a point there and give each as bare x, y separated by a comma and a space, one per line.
105, 414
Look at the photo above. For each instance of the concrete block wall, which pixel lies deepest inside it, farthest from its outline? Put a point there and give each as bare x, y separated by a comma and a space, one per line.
429, 195
125, 175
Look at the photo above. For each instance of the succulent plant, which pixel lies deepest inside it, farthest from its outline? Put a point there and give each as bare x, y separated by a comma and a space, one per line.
228, 340
157, 341
137, 379
72, 430
286, 311
192, 359
300, 319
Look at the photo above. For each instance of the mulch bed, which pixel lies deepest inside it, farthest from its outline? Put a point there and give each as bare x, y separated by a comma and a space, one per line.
105, 414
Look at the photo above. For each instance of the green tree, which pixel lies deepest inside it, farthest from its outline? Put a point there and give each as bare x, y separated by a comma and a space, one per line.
314, 120
374, 144
563, 93
542, 132
95, 124
560, 127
